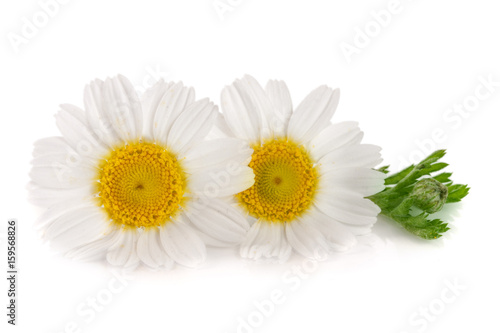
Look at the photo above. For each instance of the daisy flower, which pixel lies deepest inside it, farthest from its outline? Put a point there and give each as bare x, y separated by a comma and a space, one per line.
134, 180
311, 177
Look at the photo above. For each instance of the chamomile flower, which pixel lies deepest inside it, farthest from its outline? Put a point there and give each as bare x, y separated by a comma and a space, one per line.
134, 180
311, 177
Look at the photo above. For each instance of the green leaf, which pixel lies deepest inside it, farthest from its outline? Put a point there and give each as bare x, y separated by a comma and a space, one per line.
396, 178
432, 168
443, 177
425, 228
384, 169
434, 157
457, 192
418, 225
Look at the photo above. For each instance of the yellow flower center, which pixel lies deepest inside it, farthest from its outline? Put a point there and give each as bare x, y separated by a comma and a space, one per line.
141, 185
285, 181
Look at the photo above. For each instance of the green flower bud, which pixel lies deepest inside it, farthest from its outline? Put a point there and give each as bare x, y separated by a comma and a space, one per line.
429, 195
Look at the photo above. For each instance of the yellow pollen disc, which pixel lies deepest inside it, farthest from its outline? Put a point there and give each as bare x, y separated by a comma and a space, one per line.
141, 185
285, 181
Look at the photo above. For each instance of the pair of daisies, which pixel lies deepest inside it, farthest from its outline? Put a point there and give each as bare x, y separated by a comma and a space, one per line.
155, 178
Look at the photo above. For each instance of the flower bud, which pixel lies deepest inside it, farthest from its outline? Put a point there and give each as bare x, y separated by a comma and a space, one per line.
429, 195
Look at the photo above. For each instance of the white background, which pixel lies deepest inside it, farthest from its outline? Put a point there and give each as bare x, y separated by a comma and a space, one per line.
399, 86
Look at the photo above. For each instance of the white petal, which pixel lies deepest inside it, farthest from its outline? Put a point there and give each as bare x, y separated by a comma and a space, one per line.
97, 118
219, 221
358, 230
241, 112
63, 170
150, 101
150, 250
72, 123
337, 234
335, 136
50, 146
266, 240
313, 114
68, 158
360, 180
172, 104
134, 261
306, 240
263, 105
357, 156
192, 125
278, 94
228, 152
95, 250
113, 110
122, 108
123, 251
347, 207
182, 244
221, 182
220, 129
45, 197
64, 206
59, 177
56, 149
77, 227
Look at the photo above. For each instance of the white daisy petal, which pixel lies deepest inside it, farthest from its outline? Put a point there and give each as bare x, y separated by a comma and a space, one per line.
123, 251
49, 146
278, 93
52, 213
57, 147
221, 182
77, 227
192, 126
73, 126
95, 250
182, 244
150, 250
266, 240
339, 236
54, 150
241, 112
133, 262
334, 137
175, 100
358, 230
206, 239
97, 119
219, 221
62, 169
217, 153
150, 101
313, 114
306, 239
262, 104
46, 197
358, 156
360, 180
62, 162
67, 159
220, 129
56, 172
347, 207
122, 108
